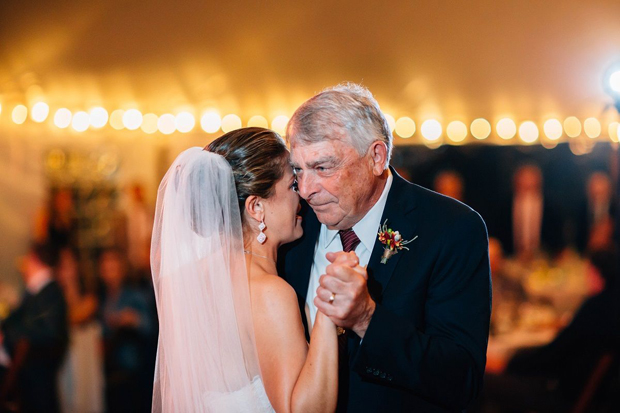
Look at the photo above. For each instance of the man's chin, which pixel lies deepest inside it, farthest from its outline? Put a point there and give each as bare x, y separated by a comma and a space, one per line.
328, 219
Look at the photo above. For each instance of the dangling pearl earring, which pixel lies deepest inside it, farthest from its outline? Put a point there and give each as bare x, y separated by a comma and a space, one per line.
261, 236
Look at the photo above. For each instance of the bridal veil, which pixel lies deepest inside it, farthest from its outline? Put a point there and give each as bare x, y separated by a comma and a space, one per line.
206, 357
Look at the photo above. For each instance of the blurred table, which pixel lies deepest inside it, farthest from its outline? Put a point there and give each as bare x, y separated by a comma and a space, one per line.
503, 346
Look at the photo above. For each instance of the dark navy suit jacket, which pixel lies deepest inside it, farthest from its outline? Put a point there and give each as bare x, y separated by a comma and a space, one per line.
425, 347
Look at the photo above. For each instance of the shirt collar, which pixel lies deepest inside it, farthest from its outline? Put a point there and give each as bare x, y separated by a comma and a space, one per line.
366, 229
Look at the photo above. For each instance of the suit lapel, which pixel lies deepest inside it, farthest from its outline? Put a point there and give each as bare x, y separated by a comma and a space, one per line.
398, 213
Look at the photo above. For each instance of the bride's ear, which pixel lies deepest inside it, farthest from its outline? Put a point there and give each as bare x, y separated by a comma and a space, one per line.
254, 208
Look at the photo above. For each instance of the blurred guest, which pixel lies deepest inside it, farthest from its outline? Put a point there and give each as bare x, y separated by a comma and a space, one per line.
596, 221
508, 293
35, 335
551, 378
535, 225
127, 328
81, 376
139, 227
57, 224
449, 183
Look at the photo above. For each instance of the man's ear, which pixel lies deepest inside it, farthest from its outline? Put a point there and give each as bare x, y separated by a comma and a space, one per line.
378, 156
254, 208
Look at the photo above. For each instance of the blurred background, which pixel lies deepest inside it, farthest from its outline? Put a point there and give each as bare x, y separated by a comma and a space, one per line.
511, 107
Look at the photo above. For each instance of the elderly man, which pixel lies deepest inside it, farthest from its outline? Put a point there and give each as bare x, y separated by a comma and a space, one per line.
403, 270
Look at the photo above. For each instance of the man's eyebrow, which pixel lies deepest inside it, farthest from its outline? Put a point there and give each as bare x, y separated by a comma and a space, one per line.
324, 160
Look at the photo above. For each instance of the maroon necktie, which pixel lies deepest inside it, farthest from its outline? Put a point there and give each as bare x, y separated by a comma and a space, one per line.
349, 239
349, 242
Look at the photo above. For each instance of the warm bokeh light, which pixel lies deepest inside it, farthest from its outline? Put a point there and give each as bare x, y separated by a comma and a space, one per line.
572, 127
166, 124
116, 119
480, 128
132, 119
614, 81
592, 128
431, 129
98, 117
230, 123
62, 118
80, 121
39, 112
528, 131
210, 122
20, 113
149, 123
553, 129
279, 123
0, 108
258, 121
614, 131
391, 122
185, 122
506, 128
405, 127
456, 131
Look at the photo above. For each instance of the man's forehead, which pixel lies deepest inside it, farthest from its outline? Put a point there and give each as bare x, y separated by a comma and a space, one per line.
314, 152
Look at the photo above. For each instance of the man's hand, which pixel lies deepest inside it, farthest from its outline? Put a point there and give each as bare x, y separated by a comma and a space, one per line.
352, 306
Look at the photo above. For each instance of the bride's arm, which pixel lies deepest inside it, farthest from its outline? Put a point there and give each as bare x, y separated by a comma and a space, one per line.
297, 377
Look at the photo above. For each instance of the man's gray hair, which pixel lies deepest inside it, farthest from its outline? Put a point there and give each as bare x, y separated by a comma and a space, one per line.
346, 108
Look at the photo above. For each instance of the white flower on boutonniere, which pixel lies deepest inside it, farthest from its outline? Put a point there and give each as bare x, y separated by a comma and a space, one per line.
393, 242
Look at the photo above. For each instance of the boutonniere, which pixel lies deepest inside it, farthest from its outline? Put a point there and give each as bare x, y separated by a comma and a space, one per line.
393, 242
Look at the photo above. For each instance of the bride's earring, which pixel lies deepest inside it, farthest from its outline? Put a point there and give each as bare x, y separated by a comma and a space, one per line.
261, 236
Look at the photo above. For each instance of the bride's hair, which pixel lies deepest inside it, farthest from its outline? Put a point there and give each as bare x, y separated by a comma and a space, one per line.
258, 158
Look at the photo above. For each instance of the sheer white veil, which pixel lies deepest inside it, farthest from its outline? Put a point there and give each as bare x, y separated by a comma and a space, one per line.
206, 357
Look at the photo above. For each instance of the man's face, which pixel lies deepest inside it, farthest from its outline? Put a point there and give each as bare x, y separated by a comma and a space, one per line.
335, 181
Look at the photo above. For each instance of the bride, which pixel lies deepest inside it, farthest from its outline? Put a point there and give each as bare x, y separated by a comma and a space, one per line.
231, 337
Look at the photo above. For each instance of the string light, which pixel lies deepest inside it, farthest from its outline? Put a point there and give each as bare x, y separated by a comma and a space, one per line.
98, 117
230, 123
132, 119
258, 122
431, 130
592, 128
572, 127
39, 112
278, 124
80, 121
405, 127
614, 131
20, 113
185, 122
456, 131
528, 132
116, 119
62, 118
391, 122
166, 124
480, 128
210, 122
506, 128
149, 123
553, 129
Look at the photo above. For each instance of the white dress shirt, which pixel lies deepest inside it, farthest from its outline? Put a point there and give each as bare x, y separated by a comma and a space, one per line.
329, 241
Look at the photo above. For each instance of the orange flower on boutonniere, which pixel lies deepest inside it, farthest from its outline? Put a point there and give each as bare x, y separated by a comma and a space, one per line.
392, 240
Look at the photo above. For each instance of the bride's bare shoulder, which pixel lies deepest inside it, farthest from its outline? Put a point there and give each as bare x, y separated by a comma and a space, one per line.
272, 293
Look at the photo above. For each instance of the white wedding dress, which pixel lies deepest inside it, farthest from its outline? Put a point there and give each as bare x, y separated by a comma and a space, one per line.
251, 398
207, 359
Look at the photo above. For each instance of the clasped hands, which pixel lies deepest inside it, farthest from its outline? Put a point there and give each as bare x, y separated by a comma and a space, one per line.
343, 293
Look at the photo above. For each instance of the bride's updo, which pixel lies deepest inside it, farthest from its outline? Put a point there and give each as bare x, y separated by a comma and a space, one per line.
257, 157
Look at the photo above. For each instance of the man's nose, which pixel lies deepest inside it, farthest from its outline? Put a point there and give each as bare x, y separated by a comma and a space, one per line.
306, 185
